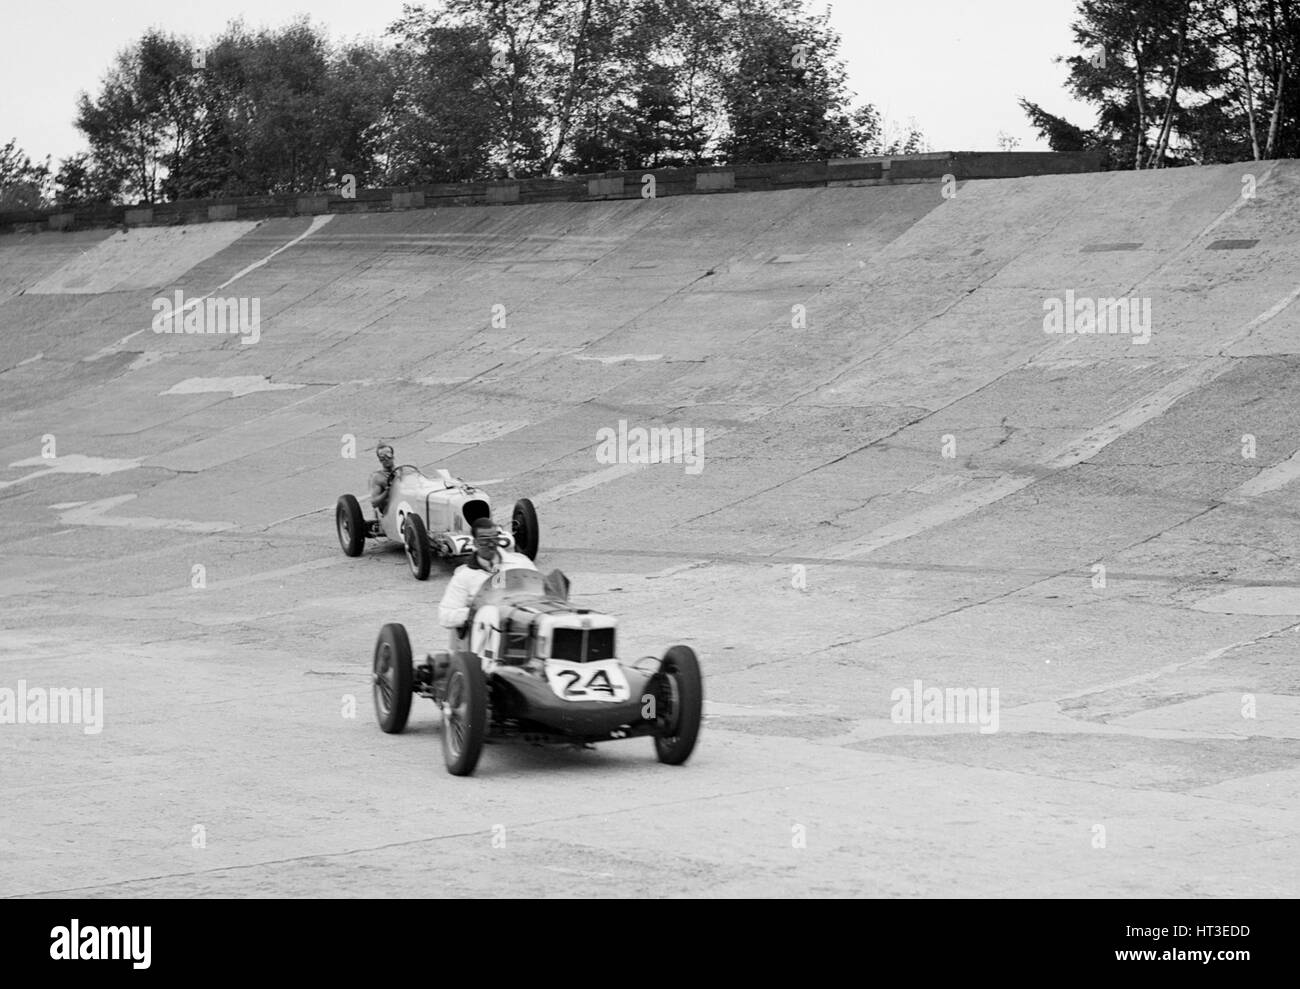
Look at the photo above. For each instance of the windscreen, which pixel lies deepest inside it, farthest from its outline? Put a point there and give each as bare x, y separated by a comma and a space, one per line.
520, 579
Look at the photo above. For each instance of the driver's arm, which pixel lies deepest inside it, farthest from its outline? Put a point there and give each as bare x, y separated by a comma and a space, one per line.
378, 486
453, 610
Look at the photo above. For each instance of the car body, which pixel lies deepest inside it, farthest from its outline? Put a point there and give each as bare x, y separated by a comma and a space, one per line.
542, 670
432, 517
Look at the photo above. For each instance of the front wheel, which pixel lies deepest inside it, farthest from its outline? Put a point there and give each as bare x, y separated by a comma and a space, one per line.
464, 714
419, 555
351, 525
526, 532
680, 705
393, 678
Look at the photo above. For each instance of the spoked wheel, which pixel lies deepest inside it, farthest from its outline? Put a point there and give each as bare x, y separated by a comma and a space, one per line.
415, 537
394, 678
464, 714
680, 704
526, 532
351, 525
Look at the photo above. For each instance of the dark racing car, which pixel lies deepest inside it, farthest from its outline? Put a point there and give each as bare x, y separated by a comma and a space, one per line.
541, 670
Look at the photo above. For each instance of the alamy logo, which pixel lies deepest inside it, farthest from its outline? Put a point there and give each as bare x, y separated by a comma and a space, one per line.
953, 706
656, 445
1085, 315
209, 315
53, 706
77, 943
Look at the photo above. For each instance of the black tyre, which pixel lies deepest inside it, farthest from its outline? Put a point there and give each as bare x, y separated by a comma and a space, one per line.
526, 533
464, 714
394, 678
419, 554
351, 525
679, 700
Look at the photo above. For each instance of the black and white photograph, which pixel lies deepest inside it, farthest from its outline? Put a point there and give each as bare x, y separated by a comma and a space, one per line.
651, 449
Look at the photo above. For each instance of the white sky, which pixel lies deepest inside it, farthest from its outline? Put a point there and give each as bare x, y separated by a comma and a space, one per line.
955, 66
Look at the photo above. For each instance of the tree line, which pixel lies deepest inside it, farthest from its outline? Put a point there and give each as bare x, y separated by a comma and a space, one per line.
1182, 82
461, 91
474, 89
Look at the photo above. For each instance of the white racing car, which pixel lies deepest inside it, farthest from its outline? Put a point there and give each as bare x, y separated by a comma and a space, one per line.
432, 516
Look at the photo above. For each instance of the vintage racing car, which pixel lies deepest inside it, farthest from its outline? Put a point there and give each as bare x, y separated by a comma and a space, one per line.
432, 517
541, 670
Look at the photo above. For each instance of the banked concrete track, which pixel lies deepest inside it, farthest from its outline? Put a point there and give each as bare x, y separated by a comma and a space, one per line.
904, 479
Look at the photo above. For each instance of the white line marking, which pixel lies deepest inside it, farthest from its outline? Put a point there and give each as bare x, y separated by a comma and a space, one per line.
716, 709
316, 224
74, 463
1253, 601
1144, 410
1265, 316
114, 348
261, 577
480, 432
238, 386
1231, 211
1096, 440
1269, 479
586, 482
1076, 452
619, 358
93, 514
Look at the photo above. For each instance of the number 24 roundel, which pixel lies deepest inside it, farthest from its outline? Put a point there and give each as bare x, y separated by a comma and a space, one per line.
600, 681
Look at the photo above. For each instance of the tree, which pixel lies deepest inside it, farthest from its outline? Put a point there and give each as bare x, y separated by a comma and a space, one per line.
1261, 39
1182, 81
276, 96
786, 87
79, 182
274, 111
1068, 138
23, 184
655, 128
733, 80
439, 127
591, 85
146, 114
469, 89
540, 65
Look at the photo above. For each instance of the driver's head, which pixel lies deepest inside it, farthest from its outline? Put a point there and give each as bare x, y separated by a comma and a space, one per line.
486, 538
385, 454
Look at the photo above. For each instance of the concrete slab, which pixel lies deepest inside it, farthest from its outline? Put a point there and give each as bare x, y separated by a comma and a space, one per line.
237, 442
140, 259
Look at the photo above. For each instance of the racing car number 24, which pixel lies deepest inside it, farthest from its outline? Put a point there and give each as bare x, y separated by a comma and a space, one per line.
597, 681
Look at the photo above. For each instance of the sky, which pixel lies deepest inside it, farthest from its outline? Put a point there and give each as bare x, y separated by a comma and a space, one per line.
956, 67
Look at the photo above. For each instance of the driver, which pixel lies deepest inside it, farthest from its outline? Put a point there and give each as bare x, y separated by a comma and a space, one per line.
381, 481
489, 558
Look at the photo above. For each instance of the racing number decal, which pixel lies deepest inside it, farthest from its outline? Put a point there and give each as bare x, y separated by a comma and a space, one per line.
597, 683
573, 677
602, 681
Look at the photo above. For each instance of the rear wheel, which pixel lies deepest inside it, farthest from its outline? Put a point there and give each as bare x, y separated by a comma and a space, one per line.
464, 714
526, 533
680, 705
351, 525
419, 554
393, 678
